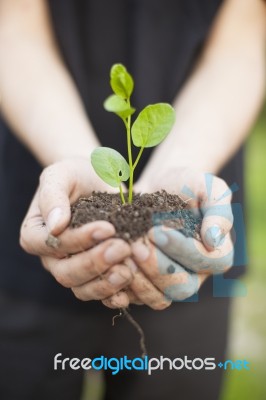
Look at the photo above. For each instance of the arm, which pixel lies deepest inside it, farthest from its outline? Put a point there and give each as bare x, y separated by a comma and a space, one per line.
38, 97
214, 113
221, 100
41, 104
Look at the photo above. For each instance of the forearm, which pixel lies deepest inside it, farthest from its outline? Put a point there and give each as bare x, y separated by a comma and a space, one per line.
38, 98
220, 102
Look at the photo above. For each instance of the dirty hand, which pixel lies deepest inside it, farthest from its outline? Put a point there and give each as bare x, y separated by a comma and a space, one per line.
172, 267
86, 259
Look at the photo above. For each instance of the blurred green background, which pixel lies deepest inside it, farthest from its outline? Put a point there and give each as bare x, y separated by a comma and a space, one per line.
247, 339
248, 329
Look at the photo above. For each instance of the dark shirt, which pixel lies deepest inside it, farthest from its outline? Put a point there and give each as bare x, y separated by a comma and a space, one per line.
159, 41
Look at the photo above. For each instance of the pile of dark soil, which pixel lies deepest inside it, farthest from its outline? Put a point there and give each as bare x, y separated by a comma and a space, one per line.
132, 221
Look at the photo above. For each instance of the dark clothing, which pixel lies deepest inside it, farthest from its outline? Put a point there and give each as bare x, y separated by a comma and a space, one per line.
159, 42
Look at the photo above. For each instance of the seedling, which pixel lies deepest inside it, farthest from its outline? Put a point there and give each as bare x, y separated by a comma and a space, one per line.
150, 128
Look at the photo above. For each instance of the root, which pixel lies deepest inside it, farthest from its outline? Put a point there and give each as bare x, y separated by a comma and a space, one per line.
132, 321
116, 316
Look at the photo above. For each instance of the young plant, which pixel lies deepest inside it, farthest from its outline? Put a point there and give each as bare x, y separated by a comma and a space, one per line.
150, 128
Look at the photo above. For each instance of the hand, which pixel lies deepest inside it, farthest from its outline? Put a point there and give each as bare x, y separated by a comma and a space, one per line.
162, 256
140, 291
87, 259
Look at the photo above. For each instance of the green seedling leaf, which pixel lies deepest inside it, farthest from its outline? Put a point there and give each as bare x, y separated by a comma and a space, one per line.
118, 106
110, 166
152, 125
121, 81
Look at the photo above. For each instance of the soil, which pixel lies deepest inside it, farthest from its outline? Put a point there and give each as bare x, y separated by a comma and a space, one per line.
133, 221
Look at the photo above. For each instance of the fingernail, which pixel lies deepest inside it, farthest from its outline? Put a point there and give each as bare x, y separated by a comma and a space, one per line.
53, 218
160, 238
140, 251
52, 241
101, 234
111, 254
214, 236
116, 279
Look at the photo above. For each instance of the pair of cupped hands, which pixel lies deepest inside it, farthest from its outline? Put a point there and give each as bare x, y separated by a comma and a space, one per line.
164, 266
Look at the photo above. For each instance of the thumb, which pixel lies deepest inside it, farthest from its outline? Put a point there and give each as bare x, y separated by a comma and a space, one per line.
53, 201
217, 213
217, 223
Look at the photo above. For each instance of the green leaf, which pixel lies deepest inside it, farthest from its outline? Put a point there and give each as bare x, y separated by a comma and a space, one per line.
110, 166
121, 81
152, 125
118, 106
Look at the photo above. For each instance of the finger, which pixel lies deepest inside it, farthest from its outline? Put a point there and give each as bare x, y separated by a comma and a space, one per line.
142, 290
35, 238
190, 253
31, 226
118, 277
217, 213
122, 299
117, 300
54, 191
146, 293
133, 299
76, 240
83, 267
167, 275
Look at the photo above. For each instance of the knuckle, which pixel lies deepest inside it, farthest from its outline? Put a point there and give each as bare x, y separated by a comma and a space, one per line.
89, 265
62, 278
122, 272
125, 274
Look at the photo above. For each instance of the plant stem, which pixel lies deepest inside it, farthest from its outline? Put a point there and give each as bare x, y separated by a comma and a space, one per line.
138, 157
129, 151
122, 194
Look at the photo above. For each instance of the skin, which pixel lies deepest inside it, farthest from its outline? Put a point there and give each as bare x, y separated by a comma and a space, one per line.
210, 127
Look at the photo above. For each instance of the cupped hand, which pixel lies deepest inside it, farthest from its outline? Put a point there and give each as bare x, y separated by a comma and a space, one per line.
172, 265
87, 259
